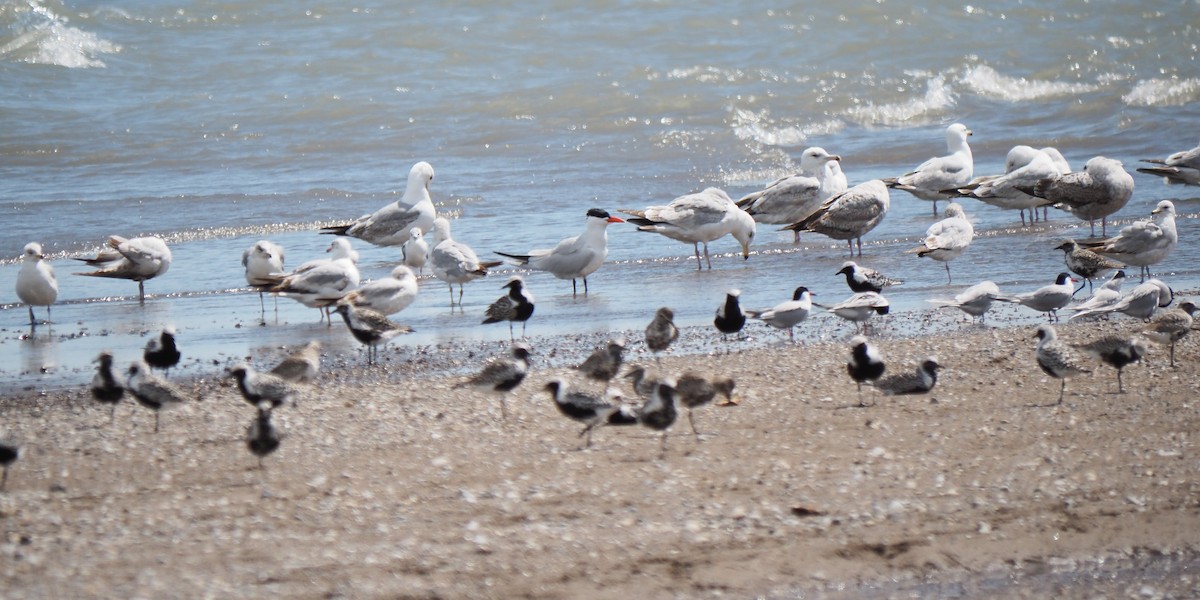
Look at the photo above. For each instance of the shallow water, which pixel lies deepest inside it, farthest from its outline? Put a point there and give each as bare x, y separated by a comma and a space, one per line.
217, 125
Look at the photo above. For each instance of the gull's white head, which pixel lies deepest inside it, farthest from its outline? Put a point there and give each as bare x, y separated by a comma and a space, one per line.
32, 252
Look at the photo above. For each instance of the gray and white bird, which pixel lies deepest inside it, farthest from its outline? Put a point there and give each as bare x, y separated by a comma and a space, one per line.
698, 219
370, 328
574, 257
321, 282
453, 261
1140, 303
152, 391
643, 380
947, 239
1023, 168
502, 374
948, 172
1048, 298
730, 318
36, 284
1170, 326
263, 267
661, 332
865, 279
787, 315
604, 363
1085, 263
390, 225
975, 300
258, 387
659, 413
695, 390
1144, 243
415, 251
1057, 359
919, 381
859, 307
1181, 167
795, 197
261, 437
592, 411
301, 366
106, 388
1108, 295
1116, 351
387, 296
162, 352
138, 259
848, 215
866, 364
1102, 188
515, 306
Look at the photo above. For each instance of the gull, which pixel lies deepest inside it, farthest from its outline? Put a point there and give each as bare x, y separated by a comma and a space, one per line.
1140, 303
370, 328
1024, 167
730, 317
849, 215
1057, 359
918, 381
322, 282
948, 238
590, 410
262, 437
786, 315
1143, 243
941, 173
162, 352
137, 259
105, 387
302, 365
698, 219
9, 453
866, 365
152, 391
1085, 263
695, 390
390, 225
389, 295
574, 257
36, 285
516, 305
502, 374
863, 279
1115, 351
975, 300
1048, 298
859, 307
415, 250
792, 198
263, 388
604, 363
1170, 326
661, 332
1180, 167
1108, 295
1101, 189
263, 265
1060, 162
454, 262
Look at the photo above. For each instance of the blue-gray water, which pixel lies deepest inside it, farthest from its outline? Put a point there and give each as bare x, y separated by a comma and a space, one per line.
217, 124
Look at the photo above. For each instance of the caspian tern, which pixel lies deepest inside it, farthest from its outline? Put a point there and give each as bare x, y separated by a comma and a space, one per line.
574, 257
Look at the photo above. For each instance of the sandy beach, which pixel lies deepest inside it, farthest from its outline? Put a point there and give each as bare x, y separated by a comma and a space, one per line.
389, 483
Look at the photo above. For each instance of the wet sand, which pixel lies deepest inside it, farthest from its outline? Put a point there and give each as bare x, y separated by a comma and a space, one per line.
389, 483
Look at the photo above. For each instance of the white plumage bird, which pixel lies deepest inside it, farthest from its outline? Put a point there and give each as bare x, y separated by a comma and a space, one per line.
947, 239
36, 284
698, 219
390, 225
137, 259
931, 178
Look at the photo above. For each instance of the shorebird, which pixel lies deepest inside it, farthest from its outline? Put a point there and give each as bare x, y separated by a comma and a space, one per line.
866, 365
454, 262
1048, 298
1101, 189
258, 388
604, 363
9, 453
152, 391
415, 251
105, 387
698, 219
918, 381
36, 284
730, 317
370, 328
863, 279
1023, 168
162, 352
1180, 167
137, 259
695, 390
644, 382
792, 198
261, 437
302, 365
592, 411
502, 374
1140, 303
975, 300
390, 225
1170, 326
322, 282
658, 412
661, 332
849, 215
574, 257
1057, 359
1085, 263
263, 265
1143, 243
515, 306
859, 307
1108, 295
386, 296
940, 173
1115, 351
948, 238
786, 315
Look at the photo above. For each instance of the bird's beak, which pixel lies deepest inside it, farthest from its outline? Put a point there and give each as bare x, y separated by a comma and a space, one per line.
616, 220
836, 157
745, 251
970, 133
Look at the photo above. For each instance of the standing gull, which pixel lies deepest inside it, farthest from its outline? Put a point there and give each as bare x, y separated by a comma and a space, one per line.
863, 279
1143, 243
698, 219
105, 387
516, 305
1085, 263
661, 332
574, 257
1168, 327
931, 177
389, 226
1057, 359
387, 296
918, 381
322, 282
1181, 167
1048, 298
137, 259
859, 307
786, 315
162, 352
152, 391
792, 198
590, 410
975, 300
948, 238
263, 265
454, 262
415, 251
302, 365
849, 215
1023, 168
502, 374
866, 365
695, 390
1140, 303
1116, 351
730, 317
370, 328
36, 285
1101, 189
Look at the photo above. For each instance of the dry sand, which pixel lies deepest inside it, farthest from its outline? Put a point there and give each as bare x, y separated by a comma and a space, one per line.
389, 484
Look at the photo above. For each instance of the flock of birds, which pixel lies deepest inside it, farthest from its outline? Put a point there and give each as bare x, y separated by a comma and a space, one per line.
817, 199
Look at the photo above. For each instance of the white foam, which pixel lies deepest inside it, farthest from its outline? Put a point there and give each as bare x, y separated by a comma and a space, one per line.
1163, 92
938, 96
43, 37
761, 128
986, 81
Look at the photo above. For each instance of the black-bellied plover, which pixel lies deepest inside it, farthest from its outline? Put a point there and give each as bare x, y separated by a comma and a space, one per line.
661, 332
730, 317
105, 387
1168, 327
370, 328
162, 352
919, 381
9, 453
1057, 359
864, 279
604, 363
695, 390
152, 391
257, 387
592, 411
866, 365
1085, 263
658, 413
502, 374
261, 437
301, 366
1116, 351
514, 307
